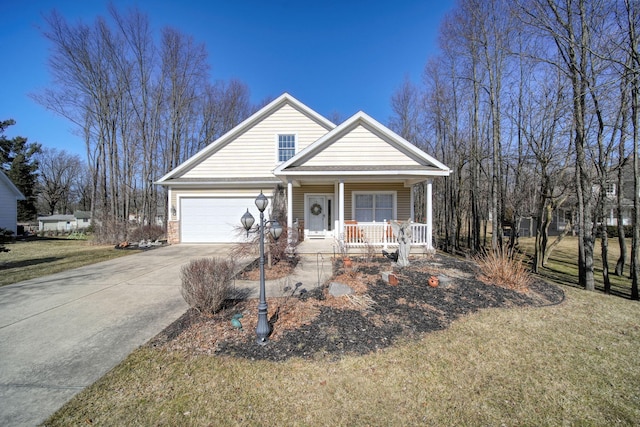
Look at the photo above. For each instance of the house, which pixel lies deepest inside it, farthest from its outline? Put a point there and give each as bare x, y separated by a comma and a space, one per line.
611, 196
9, 196
342, 182
80, 220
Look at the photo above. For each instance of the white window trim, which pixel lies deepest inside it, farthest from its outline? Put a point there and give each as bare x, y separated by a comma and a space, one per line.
357, 193
277, 144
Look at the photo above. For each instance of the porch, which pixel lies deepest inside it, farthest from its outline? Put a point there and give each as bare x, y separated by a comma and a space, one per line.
360, 238
357, 214
363, 234
360, 171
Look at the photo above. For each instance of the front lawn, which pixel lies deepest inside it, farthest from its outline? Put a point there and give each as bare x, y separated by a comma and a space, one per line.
41, 256
568, 363
563, 264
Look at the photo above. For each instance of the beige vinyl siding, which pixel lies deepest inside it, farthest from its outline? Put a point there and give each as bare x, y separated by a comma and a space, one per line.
254, 153
403, 197
299, 193
360, 147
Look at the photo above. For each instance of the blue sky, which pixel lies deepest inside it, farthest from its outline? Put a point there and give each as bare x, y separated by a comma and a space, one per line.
334, 56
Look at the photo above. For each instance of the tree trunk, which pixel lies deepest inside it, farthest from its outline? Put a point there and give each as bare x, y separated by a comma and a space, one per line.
622, 244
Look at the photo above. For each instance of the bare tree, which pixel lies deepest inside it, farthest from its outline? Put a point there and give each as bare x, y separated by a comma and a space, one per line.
224, 105
184, 71
58, 170
631, 46
624, 122
405, 104
142, 109
570, 25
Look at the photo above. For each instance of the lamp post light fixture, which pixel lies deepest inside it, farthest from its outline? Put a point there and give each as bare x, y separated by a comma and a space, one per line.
263, 329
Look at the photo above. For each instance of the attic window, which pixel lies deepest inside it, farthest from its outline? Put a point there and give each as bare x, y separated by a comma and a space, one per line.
286, 147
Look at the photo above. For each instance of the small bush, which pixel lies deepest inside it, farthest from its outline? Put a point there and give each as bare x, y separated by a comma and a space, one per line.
146, 232
206, 283
109, 231
612, 231
5, 235
508, 272
278, 250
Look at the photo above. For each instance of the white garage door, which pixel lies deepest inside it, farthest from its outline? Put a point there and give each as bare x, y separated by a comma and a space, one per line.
214, 220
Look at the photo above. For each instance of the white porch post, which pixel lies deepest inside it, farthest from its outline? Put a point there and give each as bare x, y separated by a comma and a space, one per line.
429, 206
341, 210
413, 206
289, 211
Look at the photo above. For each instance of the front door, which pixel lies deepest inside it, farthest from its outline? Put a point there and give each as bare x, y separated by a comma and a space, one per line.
317, 209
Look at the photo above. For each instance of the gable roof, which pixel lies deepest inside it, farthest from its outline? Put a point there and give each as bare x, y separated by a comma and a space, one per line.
423, 163
11, 186
282, 100
82, 214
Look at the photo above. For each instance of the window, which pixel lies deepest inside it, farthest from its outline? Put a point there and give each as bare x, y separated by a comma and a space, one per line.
286, 147
611, 189
374, 207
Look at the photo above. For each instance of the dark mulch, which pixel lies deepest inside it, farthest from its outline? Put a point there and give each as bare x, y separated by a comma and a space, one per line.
311, 324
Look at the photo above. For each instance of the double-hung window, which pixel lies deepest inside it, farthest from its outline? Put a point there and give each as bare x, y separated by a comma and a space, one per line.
286, 147
374, 207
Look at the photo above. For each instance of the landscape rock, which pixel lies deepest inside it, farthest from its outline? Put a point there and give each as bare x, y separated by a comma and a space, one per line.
337, 289
390, 278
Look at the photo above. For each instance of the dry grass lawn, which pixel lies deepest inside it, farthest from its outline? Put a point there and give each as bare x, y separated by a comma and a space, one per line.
575, 363
36, 258
563, 264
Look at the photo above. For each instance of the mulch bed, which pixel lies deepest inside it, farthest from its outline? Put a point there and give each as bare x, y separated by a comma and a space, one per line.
310, 323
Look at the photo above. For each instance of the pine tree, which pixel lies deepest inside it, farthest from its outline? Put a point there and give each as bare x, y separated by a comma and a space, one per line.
17, 160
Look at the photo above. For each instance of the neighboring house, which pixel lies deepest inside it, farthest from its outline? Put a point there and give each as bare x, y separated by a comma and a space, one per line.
611, 201
560, 219
9, 196
344, 182
83, 219
562, 216
80, 220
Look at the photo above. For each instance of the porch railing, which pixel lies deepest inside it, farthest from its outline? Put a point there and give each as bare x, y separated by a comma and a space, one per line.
362, 234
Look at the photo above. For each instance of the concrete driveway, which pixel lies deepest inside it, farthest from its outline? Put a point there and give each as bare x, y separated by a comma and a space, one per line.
60, 333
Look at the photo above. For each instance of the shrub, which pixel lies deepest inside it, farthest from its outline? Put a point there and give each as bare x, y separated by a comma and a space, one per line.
146, 232
612, 231
500, 269
278, 250
5, 235
206, 283
109, 231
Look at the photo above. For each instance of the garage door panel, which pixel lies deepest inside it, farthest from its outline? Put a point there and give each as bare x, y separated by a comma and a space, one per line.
213, 220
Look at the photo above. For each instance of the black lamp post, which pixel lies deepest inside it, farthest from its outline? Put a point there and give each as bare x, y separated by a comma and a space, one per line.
263, 329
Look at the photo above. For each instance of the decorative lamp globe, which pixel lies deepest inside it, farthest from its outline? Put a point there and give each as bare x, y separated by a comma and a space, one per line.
261, 202
276, 229
247, 221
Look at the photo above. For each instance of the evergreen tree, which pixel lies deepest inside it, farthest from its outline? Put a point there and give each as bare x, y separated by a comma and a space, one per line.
18, 161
